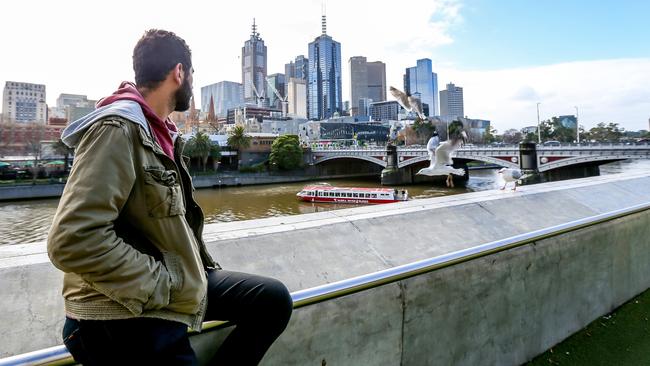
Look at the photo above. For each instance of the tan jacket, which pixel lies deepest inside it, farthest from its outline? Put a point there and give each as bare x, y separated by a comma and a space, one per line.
127, 232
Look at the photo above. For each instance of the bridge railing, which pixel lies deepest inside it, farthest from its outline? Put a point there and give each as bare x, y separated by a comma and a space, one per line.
59, 355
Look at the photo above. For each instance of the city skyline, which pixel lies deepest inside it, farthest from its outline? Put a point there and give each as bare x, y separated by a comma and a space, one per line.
504, 66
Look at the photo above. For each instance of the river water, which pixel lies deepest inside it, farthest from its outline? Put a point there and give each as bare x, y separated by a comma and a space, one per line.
29, 221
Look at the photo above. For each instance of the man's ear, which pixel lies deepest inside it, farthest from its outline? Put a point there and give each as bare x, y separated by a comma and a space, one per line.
179, 73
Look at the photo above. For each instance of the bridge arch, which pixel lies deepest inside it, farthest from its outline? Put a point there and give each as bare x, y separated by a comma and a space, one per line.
371, 159
581, 160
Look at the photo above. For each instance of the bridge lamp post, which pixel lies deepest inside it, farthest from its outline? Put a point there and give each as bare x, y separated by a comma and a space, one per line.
539, 130
577, 126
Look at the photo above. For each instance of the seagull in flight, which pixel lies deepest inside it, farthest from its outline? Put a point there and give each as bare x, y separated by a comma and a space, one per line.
441, 163
409, 103
512, 175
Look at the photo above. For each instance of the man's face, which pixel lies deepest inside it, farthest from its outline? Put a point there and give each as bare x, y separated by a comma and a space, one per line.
184, 93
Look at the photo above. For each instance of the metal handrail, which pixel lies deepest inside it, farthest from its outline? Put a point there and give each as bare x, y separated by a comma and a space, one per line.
59, 355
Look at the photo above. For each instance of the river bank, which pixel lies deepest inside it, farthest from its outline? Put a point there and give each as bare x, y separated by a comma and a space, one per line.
220, 180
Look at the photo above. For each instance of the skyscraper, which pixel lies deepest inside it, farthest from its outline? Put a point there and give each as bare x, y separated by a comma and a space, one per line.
451, 102
297, 69
297, 97
24, 103
253, 64
367, 81
324, 97
421, 82
223, 95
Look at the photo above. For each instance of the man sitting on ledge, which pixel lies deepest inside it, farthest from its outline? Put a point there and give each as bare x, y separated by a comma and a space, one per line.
127, 233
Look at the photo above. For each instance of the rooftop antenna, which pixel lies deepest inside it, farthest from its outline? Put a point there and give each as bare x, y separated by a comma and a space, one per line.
255, 34
324, 19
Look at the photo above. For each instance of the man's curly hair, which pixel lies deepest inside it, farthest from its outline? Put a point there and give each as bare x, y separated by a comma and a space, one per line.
156, 54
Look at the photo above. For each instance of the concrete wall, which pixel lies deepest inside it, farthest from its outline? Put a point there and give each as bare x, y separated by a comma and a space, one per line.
31, 191
498, 310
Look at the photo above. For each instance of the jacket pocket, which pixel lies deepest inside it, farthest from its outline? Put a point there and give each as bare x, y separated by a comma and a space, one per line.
175, 269
163, 194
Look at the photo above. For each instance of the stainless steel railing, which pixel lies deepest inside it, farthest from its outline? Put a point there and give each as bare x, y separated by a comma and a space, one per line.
59, 355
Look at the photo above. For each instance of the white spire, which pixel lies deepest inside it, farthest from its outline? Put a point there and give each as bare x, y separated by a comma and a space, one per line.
324, 19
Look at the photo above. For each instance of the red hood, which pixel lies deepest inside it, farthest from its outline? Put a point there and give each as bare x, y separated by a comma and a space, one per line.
162, 130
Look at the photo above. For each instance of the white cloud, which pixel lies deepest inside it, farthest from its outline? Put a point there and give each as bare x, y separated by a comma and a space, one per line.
74, 47
604, 91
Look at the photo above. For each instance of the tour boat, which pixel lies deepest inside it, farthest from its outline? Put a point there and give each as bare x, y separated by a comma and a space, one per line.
327, 193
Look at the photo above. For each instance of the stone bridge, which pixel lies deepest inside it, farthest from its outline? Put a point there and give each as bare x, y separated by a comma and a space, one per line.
527, 156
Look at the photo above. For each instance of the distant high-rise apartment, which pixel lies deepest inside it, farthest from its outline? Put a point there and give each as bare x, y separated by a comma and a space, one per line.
421, 82
223, 96
367, 81
67, 100
279, 83
297, 97
384, 111
324, 91
24, 103
72, 107
297, 69
253, 63
451, 102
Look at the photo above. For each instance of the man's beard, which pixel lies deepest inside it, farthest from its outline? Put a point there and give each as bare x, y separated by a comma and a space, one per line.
183, 96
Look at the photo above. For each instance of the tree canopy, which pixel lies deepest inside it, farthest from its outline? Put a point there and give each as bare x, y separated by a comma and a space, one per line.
238, 138
609, 132
286, 152
200, 146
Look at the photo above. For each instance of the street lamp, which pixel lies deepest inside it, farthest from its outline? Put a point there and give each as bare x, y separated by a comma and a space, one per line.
577, 126
539, 131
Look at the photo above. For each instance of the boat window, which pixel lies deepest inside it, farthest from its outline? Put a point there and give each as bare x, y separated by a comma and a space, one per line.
355, 195
337, 194
374, 195
349, 195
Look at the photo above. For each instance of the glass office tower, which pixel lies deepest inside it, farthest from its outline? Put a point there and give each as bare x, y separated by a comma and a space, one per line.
421, 82
324, 91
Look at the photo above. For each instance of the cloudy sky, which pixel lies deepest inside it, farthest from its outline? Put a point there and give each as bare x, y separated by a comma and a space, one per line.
507, 55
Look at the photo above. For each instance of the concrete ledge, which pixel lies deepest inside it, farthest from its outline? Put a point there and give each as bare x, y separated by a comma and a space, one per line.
501, 309
31, 191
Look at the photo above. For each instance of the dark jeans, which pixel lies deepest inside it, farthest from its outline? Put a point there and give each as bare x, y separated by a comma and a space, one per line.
260, 307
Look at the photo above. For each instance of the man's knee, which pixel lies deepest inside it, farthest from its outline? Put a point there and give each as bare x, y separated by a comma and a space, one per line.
278, 299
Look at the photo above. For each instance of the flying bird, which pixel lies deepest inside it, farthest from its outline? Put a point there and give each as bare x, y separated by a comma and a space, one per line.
409, 103
441, 162
432, 145
512, 175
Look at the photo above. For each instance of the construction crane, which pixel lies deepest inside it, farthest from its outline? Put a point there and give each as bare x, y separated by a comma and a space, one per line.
282, 100
259, 99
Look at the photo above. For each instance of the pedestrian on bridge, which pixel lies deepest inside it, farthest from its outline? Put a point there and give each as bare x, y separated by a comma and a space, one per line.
128, 233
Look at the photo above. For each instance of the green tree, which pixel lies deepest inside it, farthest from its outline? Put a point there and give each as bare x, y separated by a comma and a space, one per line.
239, 140
490, 135
63, 149
610, 132
199, 146
215, 154
286, 152
512, 136
424, 130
